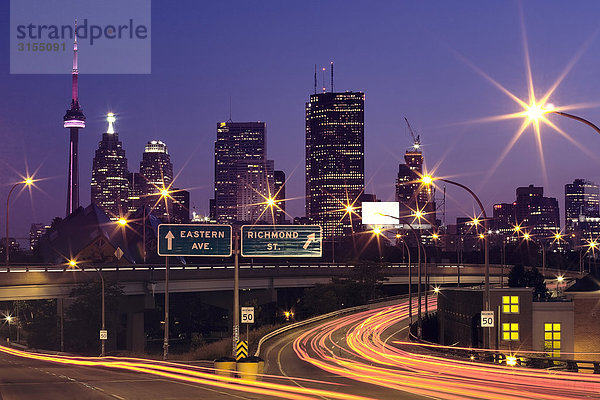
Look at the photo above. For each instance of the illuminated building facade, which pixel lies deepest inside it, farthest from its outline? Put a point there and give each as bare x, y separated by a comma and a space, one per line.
156, 170
279, 185
74, 120
244, 178
254, 184
181, 206
504, 218
35, 233
110, 186
335, 162
538, 214
410, 193
582, 213
134, 197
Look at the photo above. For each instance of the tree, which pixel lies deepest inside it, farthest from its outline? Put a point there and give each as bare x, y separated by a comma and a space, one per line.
519, 277
40, 324
84, 315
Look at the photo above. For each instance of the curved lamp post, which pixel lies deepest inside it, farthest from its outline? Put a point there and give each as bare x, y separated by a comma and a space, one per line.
575, 117
428, 180
419, 249
26, 182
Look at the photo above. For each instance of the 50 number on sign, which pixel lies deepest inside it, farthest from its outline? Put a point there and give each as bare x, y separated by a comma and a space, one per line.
247, 315
487, 319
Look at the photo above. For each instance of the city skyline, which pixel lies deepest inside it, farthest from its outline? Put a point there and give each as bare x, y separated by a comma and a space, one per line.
419, 76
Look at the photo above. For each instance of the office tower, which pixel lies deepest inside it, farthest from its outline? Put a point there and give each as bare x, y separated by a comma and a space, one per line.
581, 199
110, 186
136, 183
35, 233
582, 214
254, 186
279, 188
181, 206
243, 175
74, 119
410, 193
538, 214
504, 218
157, 173
335, 171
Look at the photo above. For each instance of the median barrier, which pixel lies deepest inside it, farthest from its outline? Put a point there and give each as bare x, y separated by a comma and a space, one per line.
225, 366
250, 368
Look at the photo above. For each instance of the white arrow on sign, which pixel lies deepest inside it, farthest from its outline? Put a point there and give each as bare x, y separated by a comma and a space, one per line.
170, 238
309, 239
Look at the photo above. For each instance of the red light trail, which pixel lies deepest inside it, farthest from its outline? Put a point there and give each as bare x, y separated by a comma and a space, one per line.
365, 355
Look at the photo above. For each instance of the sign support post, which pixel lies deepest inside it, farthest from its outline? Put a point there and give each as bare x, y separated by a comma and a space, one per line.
166, 340
236, 293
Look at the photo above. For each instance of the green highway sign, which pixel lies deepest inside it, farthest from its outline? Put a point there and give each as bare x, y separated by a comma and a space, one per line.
194, 240
282, 241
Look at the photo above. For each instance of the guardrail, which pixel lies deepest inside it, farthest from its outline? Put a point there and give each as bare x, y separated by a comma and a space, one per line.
528, 360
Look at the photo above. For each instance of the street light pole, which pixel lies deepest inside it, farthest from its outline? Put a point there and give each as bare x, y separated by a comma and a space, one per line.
428, 181
418, 239
26, 182
576, 118
103, 351
409, 277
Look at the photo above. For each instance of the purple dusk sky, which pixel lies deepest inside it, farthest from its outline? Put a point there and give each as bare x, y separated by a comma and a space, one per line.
410, 58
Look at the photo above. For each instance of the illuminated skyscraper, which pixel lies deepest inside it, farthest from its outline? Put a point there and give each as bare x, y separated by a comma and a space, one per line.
535, 212
411, 195
279, 185
582, 213
335, 162
243, 175
74, 119
110, 187
157, 173
581, 199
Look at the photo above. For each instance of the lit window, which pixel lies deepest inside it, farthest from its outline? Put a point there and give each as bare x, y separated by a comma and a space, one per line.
552, 339
510, 304
510, 331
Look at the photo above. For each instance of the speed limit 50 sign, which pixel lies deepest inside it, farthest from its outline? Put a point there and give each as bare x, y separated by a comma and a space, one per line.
247, 315
487, 319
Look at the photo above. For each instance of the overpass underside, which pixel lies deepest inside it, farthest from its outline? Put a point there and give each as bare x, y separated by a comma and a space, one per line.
39, 282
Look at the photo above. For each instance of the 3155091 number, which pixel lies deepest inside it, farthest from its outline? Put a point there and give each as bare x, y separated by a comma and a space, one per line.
40, 47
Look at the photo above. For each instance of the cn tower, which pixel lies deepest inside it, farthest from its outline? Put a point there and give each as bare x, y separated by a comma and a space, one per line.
74, 119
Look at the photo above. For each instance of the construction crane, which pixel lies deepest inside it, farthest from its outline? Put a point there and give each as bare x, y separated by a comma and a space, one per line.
416, 139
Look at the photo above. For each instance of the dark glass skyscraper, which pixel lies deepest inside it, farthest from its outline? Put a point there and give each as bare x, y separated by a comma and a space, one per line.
335, 162
243, 175
110, 187
157, 173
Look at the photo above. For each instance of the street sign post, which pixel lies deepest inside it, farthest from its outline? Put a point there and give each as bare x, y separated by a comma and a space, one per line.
194, 240
487, 319
247, 315
282, 241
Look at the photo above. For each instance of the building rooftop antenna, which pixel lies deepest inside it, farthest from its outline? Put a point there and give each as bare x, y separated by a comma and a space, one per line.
332, 77
315, 78
229, 120
324, 89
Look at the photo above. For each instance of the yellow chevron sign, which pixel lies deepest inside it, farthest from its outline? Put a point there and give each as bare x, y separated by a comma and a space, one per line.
241, 350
